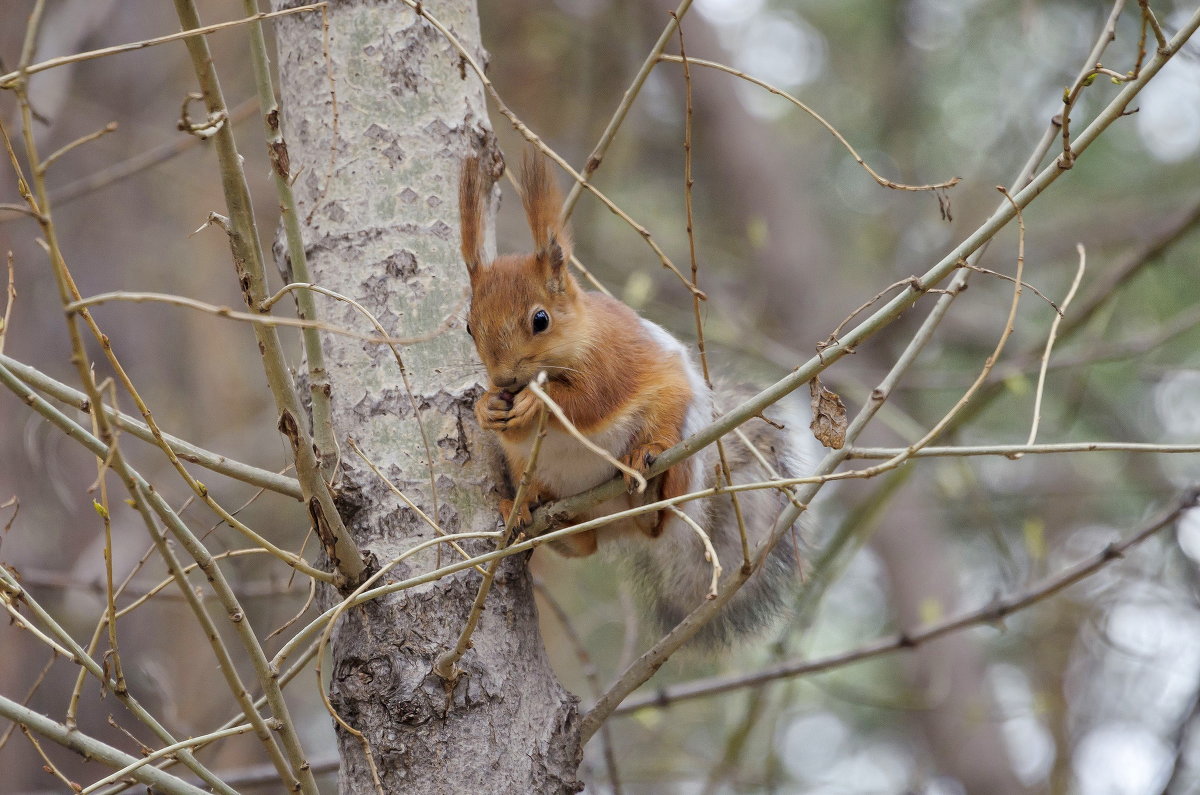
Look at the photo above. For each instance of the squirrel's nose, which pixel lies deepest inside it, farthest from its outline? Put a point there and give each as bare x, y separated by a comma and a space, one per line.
506, 383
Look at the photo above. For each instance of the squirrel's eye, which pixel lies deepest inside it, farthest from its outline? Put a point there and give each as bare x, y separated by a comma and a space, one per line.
541, 321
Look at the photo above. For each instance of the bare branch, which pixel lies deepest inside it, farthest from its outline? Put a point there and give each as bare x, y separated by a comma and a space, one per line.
268, 321
529, 135
10, 79
248, 260
186, 450
993, 613
627, 100
1015, 451
884, 181
885, 314
1041, 384
93, 748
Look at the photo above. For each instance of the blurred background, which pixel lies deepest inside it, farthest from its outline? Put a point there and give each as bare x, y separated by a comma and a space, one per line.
1094, 691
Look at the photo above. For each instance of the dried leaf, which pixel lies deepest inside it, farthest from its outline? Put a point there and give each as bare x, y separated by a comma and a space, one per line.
829, 415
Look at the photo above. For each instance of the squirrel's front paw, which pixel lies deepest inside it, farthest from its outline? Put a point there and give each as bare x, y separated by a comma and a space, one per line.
491, 410
501, 411
640, 458
524, 410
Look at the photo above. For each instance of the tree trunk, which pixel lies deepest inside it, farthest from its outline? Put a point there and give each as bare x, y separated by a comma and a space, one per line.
375, 157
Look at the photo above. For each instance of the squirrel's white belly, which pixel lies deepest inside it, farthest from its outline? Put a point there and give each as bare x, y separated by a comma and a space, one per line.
566, 467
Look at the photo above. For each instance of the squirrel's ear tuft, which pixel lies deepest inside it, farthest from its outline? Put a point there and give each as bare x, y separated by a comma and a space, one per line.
470, 211
543, 208
554, 258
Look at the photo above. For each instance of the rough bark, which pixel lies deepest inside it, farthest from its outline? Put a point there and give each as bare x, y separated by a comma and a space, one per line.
377, 197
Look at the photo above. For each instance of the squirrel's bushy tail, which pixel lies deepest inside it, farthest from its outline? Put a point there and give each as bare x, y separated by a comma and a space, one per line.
671, 573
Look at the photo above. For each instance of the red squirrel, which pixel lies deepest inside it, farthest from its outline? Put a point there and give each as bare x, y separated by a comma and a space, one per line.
631, 388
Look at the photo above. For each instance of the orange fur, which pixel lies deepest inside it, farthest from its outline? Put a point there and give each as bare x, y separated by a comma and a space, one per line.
604, 369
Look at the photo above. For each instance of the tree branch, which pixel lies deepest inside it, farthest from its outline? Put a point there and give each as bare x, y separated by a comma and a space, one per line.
92, 748
248, 259
993, 613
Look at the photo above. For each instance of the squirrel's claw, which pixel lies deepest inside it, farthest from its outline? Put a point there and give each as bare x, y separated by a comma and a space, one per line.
524, 515
640, 459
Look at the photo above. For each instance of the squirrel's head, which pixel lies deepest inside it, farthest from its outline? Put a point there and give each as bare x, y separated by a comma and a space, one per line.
526, 314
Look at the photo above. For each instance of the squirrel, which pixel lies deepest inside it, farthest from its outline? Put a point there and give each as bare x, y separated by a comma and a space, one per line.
631, 388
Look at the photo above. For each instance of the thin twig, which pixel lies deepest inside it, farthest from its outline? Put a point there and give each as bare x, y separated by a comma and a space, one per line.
590, 674
1041, 382
835, 335
319, 387
110, 605
570, 428
92, 748
884, 181
1015, 451
49, 765
304, 608
49, 161
446, 665
1148, 15
216, 462
10, 297
18, 208
270, 321
627, 100
168, 750
1026, 285
530, 136
688, 182
993, 613
1067, 159
246, 250
8, 80
110, 175
32, 27
710, 554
